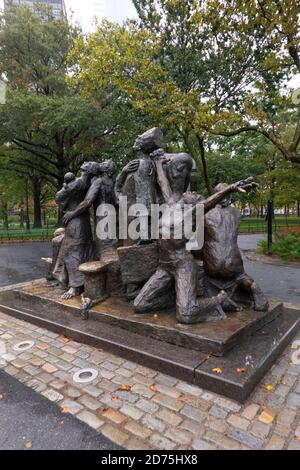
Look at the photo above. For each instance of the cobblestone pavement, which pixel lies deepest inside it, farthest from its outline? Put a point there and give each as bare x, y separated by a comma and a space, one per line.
138, 408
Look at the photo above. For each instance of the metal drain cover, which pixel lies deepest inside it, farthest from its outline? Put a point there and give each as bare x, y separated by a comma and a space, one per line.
23, 346
85, 376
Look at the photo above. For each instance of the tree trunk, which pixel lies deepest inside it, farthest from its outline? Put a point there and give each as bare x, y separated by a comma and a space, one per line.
298, 208
27, 208
204, 165
37, 211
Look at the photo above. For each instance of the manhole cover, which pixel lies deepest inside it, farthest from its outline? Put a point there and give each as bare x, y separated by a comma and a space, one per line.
85, 376
23, 346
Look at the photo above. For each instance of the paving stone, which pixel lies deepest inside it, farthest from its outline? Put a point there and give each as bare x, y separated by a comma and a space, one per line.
45, 377
216, 424
161, 442
107, 385
106, 399
142, 379
286, 416
89, 402
8, 357
90, 419
294, 445
179, 436
275, 443
200, 444
261, 430
109, 366
192, 426
146, 371
72, 406
250, 411
153, 423
113, 415
42, 346
238, 422
245, 438
127, 396
228, 404
131, 411
72, 392
93, 391
193, 413
146, 406
297, 432
221, 441
50, 368
114, 359
124, 372
137, 429
37, 385
31, 370
293, 401
137, 444
218, 412
196, 402
120, 380
36, 361
52, 395
58, 384
189, 389
142, 390
67, 357
166, 390
168, 402
114, 434
282, 390
289, 380
11, 370
129, 365
282, 429
166, 380
69, 349
169, 417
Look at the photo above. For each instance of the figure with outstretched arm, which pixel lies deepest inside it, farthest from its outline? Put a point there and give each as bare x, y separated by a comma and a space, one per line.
177, 264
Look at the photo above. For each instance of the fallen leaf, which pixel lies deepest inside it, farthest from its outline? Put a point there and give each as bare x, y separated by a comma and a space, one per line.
125, 388
217, 370
1, 397
28, 445
267, 416
153, 389
281, 382
65, 339
114, 397
290, 363
268, 387
241, 370
65, 409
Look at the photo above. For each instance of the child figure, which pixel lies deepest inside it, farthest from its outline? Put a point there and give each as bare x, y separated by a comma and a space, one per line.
68, 178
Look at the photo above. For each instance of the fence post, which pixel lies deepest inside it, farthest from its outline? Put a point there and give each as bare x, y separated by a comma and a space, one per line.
270, 226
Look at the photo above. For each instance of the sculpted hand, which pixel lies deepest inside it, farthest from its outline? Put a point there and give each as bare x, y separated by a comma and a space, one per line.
132, 166
67, 217
245, 186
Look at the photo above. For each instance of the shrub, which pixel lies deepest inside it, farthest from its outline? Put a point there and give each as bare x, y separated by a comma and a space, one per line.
286, 247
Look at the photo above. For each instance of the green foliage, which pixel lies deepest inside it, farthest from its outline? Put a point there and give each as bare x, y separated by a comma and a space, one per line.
287, 248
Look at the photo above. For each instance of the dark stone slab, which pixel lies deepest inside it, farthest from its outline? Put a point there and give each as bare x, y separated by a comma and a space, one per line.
255, 355
213, 337
166, 358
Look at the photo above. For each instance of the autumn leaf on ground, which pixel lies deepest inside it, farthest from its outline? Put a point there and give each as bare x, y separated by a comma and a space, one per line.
65, 339
65, 409
153, 389
1, 397
28, 445
217, 370
114, 397
268, 387
241, 370
125, 388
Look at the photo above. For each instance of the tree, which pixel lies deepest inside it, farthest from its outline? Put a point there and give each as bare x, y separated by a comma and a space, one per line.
49, 126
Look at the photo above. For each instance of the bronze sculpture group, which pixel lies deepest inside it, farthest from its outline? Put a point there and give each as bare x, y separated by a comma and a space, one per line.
155, 274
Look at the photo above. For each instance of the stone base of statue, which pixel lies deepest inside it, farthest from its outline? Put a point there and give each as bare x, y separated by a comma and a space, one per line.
228, 357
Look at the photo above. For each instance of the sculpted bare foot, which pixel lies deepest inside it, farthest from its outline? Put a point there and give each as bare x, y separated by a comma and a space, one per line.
72, 292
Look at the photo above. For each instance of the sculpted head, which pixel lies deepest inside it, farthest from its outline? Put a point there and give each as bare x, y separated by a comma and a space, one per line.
220, 187
179, 170
149, 141
89, 168
108, 167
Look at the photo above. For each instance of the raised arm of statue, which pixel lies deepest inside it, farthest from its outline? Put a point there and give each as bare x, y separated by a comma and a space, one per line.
86, 204
163, 182
131, 167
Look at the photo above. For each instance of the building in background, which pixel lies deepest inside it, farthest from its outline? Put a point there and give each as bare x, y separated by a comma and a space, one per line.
114, 10
58, 6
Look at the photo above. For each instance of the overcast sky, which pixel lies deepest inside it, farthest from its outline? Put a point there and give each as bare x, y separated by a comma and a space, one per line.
114, 10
